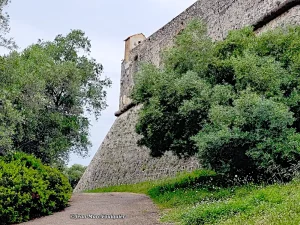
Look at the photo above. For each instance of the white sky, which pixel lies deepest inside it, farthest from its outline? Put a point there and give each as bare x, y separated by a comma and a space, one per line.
106, 23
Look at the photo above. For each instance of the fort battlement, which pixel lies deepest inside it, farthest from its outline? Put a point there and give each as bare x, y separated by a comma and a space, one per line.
119, 160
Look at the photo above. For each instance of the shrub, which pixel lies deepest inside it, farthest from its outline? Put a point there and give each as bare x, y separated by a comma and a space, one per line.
29, 189
235, 103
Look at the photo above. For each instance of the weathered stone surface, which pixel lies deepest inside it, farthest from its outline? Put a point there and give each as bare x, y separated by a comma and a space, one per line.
119, 160
291, 17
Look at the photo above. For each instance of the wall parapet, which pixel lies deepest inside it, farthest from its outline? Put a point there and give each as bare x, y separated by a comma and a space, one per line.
124, 109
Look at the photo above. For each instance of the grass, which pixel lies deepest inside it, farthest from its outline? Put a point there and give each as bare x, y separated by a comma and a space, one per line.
199, 198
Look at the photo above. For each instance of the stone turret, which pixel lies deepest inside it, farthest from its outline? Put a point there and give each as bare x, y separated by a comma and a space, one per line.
127, 75
131, 42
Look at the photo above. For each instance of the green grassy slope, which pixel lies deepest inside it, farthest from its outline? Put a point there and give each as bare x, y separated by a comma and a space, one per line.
198, 198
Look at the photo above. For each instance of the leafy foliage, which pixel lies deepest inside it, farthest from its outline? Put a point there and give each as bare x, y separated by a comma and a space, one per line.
44, 91
234, 103
74, 173
4, 27
28, 189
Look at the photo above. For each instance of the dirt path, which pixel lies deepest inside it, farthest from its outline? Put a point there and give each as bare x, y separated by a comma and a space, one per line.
137, 209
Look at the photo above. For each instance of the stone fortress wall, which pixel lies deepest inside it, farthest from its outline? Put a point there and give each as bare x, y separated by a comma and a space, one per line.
119, 160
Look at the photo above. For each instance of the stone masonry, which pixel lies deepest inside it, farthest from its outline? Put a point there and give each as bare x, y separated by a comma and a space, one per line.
119, 160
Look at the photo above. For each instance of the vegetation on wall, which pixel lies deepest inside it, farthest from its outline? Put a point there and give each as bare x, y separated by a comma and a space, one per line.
234, 103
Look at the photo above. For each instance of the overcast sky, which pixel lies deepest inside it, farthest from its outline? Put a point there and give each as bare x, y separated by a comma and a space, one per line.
106, 23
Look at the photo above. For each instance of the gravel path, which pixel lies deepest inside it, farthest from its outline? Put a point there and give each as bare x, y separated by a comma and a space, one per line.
137, 209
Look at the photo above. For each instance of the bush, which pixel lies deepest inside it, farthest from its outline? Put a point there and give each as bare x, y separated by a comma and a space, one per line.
235, 103
29, 189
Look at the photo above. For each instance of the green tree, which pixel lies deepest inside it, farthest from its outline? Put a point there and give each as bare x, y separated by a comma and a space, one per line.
4, 27
49, 86
234, 103
8, 116
74, 173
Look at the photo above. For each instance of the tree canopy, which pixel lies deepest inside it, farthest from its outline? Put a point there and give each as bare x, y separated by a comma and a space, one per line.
4, 27
74, 173
44, 92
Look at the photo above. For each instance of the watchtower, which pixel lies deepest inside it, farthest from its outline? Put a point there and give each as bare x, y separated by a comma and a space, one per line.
131, 42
